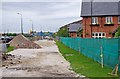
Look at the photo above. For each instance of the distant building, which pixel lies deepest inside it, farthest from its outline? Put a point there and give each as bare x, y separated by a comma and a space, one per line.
74, 28
100, 19
41, 35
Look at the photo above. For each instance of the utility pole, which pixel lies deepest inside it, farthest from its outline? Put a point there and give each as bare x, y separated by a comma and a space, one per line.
32, 26
21, 23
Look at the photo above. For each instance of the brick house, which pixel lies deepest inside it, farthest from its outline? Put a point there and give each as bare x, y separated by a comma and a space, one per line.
74, 27
100, 19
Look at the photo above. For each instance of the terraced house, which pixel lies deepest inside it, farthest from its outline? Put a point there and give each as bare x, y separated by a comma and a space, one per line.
100, 19
74, 28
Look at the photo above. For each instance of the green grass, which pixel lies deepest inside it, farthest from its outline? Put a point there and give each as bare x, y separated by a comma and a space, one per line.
82, 64
10, 48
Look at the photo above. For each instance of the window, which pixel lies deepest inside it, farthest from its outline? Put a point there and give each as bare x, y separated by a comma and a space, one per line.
109, 20
94, 20
103, 34
98, 35
119, 19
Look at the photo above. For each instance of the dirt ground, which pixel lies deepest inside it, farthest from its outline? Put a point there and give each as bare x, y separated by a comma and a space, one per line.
43, 62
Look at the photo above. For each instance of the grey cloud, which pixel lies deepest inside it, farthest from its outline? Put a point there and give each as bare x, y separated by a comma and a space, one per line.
44, 14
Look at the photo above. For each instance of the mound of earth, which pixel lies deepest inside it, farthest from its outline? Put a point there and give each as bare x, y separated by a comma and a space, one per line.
21, 41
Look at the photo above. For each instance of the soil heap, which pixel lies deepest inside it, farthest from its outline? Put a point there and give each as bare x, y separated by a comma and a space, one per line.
21, 41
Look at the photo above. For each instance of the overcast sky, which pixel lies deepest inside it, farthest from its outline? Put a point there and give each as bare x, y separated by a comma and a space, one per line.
47, 15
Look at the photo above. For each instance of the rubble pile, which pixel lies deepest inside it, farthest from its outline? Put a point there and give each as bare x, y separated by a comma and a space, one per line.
9, 60
21, 41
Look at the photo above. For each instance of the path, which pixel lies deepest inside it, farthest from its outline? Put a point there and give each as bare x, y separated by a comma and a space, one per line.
44, 62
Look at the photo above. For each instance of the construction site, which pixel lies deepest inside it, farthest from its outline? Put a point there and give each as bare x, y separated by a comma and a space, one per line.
74, 39
34, 59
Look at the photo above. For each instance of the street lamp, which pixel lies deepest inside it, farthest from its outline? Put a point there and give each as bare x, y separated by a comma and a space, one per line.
32, 25
21, 23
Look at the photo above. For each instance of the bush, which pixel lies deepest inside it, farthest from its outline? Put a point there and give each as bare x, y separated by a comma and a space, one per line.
117, 34
10, 48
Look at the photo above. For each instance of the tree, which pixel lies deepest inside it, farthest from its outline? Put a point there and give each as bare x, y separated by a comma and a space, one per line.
54, 35
63, 32
11, 34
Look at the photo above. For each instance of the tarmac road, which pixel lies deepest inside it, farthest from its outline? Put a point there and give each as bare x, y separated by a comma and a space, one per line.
44, 62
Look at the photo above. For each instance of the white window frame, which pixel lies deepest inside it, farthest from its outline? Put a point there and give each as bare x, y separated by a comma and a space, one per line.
118, 19
109, 20
98, 35
94, 20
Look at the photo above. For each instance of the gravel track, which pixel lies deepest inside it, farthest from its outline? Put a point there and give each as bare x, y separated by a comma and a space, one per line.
43, 62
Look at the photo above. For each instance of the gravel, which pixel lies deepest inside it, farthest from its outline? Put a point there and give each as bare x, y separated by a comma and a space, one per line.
43, 62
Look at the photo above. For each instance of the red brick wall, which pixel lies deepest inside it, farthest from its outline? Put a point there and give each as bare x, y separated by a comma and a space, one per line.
73, 34
87, 29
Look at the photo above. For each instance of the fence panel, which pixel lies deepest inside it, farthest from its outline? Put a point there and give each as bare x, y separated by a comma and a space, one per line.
93, 48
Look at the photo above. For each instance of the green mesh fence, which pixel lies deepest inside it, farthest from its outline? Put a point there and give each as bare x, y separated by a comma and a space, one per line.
119, 53
109, 48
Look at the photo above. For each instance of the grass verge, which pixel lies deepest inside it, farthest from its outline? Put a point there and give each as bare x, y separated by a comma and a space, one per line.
82, 64
10, 48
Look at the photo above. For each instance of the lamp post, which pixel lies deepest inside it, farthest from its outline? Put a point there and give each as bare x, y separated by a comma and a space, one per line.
21, 23
32, 25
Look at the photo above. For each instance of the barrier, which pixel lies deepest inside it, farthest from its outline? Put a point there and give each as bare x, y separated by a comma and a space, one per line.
107, 49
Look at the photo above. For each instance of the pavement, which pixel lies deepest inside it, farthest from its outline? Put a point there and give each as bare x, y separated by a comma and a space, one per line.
44, 62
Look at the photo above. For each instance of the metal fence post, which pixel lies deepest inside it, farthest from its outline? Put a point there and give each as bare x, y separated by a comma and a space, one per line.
101, 55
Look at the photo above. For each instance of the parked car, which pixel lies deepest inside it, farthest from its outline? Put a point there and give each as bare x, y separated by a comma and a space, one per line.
5, 39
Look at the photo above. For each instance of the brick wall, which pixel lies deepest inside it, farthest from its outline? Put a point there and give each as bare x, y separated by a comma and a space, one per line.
73, 34
108, 29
